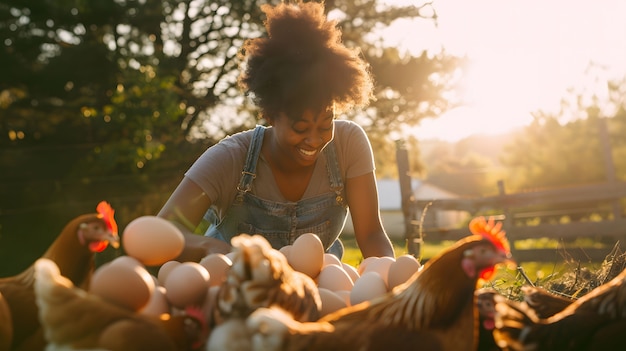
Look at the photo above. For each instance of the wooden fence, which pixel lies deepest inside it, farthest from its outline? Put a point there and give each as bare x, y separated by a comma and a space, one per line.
588, 211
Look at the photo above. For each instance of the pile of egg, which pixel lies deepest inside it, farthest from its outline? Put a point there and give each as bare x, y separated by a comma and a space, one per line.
150, 241
340, 284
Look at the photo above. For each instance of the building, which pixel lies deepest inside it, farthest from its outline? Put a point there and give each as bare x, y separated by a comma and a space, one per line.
390, 202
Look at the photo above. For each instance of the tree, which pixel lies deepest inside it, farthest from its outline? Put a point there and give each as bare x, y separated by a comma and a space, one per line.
565, 148
114, 99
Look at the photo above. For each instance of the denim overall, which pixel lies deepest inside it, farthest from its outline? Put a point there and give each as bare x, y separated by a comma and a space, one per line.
282, 222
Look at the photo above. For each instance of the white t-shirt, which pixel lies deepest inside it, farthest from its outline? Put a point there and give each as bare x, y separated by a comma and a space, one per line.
218, 170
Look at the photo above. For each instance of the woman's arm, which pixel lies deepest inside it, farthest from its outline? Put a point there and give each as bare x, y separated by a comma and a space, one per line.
186, 208
362, 196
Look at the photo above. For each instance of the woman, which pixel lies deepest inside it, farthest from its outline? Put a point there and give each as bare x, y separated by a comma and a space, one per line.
303, 172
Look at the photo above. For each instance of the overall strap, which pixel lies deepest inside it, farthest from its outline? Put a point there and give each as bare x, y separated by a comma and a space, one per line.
249, 169
334, 172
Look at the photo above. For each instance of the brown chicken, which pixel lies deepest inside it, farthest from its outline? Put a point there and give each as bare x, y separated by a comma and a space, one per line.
261, 277
75, 319
6, 328
544, 303
596, 321
73, 251
486, 306
434, 310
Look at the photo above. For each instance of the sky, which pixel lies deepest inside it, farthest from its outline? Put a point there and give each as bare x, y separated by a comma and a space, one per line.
525, 55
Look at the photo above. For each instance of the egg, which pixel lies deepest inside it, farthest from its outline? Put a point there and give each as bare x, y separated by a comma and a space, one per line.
369, 286
401, 270
218, 266
152, 240
187, 285
124, 283
231, 255
351, 270
307, 255
364, 264
165, 270
333, 277
158, 304
127, 260
331, 302
331, 259
381, 266
285, 251
345, 295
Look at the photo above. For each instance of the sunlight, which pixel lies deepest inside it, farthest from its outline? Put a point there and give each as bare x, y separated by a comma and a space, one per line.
524, 56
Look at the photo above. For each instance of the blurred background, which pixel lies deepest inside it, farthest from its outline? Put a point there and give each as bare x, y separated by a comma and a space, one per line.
114, 99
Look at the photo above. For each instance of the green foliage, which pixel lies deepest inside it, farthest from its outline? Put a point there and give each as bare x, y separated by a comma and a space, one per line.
113, 100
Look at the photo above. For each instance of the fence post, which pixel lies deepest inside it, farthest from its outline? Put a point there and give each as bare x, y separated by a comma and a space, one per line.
412, 229
507, 222
609, 166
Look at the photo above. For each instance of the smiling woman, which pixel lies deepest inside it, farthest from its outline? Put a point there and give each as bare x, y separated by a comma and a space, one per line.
304, 170
524, 56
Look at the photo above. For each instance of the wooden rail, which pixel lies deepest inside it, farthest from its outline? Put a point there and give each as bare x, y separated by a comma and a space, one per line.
543, 210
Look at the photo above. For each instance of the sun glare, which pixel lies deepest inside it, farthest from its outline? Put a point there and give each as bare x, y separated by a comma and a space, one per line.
524, 55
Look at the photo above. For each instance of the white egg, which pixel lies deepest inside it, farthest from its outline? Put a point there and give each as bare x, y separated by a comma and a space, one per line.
381, 266
351, 270
307, 255
401, 270
331, 259
369, 286
331, 302
285, 251
364, 263
334, 278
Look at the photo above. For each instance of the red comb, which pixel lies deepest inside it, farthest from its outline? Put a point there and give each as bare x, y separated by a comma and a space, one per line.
105, 211
491, 230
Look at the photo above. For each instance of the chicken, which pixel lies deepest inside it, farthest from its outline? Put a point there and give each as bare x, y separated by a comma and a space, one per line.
75, 319
73, 251
434, 310
544, 303
260, 277
6, 328
486, 305
596, 321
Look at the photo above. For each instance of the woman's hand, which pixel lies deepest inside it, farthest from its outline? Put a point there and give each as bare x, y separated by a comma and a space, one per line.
197, 247
185, 209
370, 235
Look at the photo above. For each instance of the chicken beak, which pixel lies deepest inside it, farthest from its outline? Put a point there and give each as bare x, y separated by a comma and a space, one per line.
505, 258
113, 239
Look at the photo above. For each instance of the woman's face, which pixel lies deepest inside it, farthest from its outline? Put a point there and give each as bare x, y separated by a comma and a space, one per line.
301, 140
